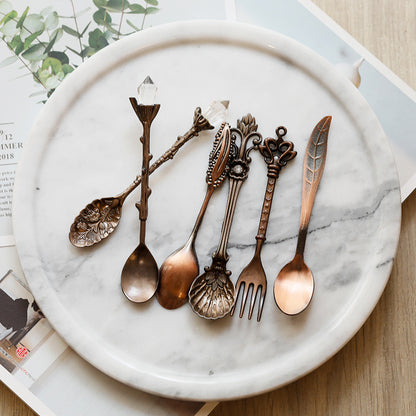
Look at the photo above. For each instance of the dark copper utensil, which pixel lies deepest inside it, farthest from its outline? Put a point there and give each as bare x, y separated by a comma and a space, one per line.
294, 285
212, 293
101, 217
276, 154
180, 269
140, 274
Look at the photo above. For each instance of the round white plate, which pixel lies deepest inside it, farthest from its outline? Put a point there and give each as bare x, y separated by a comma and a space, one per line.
84, 145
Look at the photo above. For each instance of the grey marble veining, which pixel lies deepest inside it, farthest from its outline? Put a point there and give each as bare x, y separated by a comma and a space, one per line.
85, 145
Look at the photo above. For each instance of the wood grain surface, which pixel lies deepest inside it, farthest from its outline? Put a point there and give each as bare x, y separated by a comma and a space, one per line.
375, 373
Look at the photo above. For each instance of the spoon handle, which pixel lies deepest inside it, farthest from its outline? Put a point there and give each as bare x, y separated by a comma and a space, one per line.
276, 154
313, 168
146, 114
200, 123
239, 168
218, 166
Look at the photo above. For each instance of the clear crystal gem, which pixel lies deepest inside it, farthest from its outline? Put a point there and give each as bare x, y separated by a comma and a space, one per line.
147, 92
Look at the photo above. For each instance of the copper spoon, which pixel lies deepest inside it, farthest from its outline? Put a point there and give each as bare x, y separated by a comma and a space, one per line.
294, 285
180, 269
140, 274
101, 217
211, 295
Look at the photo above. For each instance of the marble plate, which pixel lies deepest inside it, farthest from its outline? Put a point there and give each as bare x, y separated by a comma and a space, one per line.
85, 145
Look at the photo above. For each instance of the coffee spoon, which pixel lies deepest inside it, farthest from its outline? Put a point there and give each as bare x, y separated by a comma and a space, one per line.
294, 285
180, 269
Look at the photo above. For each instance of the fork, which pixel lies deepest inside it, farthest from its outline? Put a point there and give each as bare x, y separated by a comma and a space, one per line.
276, 154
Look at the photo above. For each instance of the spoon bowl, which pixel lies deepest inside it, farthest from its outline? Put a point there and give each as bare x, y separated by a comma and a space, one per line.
294, 286
176, 276
140, 275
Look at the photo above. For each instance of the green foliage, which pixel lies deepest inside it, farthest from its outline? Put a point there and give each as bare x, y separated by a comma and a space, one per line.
50, 49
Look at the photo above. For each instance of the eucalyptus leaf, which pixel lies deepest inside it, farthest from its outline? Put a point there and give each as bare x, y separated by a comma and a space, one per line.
100, 3
152, 10
116, 6
52, 82
31, 38
132, 25
87, 51
34, 23
136, 9
5, 7
52, 21
53, 64
67, 69
70, 31
22, 18
9, 16
46, 11
34, 53
15, 42
19, 48
9, 29
97, 39
101, 17
58, 33
8, 61
85, 29
61, 56
152, 2
51, 43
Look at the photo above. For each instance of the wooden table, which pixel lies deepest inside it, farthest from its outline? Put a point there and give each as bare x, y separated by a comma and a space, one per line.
375, 373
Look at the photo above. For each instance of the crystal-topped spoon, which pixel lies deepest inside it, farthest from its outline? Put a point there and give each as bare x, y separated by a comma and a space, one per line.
101, 217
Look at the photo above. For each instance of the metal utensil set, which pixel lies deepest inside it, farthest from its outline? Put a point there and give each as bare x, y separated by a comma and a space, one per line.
212, 294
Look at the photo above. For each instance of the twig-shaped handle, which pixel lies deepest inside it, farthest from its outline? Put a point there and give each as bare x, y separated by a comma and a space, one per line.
313, 168
146, 114
200, 123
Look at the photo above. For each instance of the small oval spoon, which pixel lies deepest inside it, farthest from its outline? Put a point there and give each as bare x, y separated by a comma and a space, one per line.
294, 285
180, 269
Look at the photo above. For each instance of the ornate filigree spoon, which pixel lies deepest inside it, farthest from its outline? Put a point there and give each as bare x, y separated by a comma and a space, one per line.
101, 217
212, 293
180, 269
276, 154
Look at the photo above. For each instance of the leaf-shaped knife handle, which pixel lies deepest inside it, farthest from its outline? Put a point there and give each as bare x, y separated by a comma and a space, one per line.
313, 168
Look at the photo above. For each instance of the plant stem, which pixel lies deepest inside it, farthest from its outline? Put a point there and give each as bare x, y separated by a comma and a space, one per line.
144, 17
79, 33
121, 21
26, 65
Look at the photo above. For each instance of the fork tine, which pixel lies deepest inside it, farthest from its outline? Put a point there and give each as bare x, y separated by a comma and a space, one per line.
237, 291
256, 290
261, 304
244, 299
